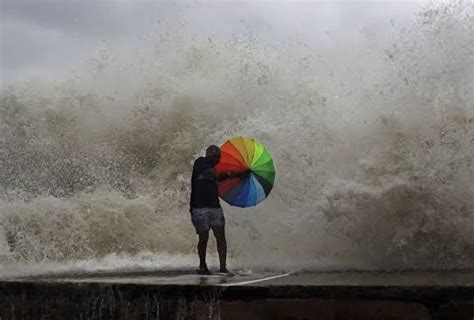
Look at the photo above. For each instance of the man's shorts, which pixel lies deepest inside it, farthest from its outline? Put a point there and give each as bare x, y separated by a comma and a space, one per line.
207, 218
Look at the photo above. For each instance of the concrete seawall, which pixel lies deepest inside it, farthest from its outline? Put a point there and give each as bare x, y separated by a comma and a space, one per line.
302, 296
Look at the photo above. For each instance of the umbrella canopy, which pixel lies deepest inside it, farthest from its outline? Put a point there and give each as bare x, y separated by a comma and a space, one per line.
242, 154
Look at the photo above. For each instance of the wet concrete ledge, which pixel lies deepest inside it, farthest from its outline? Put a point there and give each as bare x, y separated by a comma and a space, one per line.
288, 299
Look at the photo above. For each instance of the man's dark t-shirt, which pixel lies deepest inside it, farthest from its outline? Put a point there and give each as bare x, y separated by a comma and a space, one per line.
204, 192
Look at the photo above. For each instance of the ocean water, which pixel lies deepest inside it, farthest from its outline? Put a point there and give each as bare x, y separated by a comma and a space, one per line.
370, 124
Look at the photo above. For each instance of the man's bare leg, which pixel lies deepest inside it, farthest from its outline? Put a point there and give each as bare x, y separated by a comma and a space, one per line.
219, 233
202, 247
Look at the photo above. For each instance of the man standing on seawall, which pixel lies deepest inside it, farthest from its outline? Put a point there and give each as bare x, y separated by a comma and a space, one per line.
206, 211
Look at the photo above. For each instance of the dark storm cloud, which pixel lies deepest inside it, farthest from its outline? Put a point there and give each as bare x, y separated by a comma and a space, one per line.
43, 37
39, 35
94, 18
51, 14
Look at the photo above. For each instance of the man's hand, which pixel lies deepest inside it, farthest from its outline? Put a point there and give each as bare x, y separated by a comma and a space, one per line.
237, 174
230, 175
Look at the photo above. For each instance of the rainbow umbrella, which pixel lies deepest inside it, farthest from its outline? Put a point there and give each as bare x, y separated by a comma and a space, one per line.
244, 154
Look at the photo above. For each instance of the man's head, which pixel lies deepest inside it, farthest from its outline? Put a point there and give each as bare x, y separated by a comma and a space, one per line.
213, 153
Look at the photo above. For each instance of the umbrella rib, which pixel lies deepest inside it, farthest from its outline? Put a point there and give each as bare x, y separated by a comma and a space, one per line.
232, 165
264, 170
263, 163
232, 156
246, 182
230, 200
240, 148
249, 152
258, 189
257, 153
249, 195
263, 181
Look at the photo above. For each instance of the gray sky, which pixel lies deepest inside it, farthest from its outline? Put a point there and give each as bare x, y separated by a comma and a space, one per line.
44, 38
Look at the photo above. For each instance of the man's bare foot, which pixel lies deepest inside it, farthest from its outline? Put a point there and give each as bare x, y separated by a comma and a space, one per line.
226, 272
203, 270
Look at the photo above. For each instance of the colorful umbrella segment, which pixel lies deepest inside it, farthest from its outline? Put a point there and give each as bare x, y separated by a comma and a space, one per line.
244, 154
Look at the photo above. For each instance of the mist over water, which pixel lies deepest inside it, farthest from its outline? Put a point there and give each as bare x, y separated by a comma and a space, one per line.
372, 140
